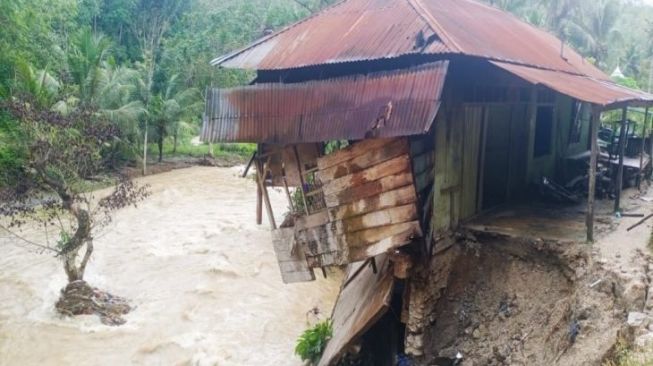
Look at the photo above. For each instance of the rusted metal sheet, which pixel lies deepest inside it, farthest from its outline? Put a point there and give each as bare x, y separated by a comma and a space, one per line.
385, 104
363, 300
355, 30
348, 31
586, 89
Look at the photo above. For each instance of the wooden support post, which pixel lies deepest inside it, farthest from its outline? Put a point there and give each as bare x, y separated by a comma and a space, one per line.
640, 177
291, 205
594, 157
620, 169
259, 204
301, 179
261, 173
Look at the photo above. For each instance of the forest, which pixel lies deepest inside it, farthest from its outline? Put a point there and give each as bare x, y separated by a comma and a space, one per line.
144, 65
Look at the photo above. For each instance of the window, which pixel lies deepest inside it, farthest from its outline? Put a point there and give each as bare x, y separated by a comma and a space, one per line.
543, 131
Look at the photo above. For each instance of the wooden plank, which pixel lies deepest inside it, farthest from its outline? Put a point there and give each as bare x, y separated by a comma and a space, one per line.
361, 303
292, 261
390, 216
402, 237
397, 197
388, 151
390, 167
351, 152
369, 189
266, 198
368, 237
318, 219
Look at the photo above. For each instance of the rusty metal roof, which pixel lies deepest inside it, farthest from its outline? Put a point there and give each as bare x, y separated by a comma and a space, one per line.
355, 30
587, 89
384, 104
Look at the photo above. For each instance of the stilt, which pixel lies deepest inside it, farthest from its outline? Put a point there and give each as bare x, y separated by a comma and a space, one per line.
594, 155
259, 204
620, 169
640, 176
261, 182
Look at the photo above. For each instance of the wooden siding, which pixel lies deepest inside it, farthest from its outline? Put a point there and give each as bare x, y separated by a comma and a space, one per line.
292, 262
371, 204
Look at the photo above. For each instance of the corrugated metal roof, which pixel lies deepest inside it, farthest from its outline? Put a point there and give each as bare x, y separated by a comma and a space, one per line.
348, 31
397, 103
375, 29
586, 89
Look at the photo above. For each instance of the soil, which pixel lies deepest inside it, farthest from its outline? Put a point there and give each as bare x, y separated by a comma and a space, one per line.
507, 301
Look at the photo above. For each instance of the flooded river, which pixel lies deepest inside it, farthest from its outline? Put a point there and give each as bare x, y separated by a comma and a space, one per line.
201, 273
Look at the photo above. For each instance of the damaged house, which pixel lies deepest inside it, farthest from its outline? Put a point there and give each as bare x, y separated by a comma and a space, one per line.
391, 124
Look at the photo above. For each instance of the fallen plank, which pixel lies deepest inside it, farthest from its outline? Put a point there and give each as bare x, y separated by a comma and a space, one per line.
292, 263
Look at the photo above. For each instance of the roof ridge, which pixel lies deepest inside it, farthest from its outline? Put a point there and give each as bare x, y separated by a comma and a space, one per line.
218, 60
435, 26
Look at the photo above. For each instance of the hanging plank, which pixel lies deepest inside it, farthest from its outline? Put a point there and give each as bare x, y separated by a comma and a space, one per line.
292, 263
361, 303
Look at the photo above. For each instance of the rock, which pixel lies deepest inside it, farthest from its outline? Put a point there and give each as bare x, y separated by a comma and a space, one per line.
635, 294
476, 334
637, 319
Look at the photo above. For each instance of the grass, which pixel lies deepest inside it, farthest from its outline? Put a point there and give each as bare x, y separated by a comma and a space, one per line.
187, 149
626, 356
312, 342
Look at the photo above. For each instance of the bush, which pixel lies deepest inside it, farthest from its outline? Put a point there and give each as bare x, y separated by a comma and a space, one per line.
312, 342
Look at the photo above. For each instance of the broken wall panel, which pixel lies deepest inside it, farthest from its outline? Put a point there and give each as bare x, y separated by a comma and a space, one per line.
292, 262
371, 204
364, 298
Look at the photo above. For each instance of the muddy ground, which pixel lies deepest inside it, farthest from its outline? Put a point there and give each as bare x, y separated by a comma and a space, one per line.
510, 301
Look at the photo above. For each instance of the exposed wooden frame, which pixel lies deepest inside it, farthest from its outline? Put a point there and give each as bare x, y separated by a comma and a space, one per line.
261, 168
594, 155
620, 168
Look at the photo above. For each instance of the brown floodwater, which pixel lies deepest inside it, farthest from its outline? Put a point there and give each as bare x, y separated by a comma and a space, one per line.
201, 274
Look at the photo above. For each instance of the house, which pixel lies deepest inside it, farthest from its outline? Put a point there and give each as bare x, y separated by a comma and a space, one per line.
401, 121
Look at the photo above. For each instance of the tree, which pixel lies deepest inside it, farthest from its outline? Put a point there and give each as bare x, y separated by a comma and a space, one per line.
60, 154
170, 107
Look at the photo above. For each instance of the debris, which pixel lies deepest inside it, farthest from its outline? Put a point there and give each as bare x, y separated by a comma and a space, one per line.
574, 330
79, 298
636, 319
640, 222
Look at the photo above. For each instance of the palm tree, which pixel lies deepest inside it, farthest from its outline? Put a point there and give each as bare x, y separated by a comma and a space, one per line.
595, 28
168, 110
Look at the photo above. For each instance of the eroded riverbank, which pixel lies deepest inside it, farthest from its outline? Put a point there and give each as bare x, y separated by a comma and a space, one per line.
201, 274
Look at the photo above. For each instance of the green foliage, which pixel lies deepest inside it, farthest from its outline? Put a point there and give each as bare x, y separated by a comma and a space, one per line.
626, 356
312, 342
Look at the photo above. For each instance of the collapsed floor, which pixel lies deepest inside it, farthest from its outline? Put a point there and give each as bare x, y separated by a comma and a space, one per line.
500, 301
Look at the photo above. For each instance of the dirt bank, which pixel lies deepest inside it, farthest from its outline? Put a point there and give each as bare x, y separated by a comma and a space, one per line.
201, 276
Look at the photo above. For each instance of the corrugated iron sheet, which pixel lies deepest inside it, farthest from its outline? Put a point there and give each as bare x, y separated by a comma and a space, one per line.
348, 31
399, 103
586, 89
374, 29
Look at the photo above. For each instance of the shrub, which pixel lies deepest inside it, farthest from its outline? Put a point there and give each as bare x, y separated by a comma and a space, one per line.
312, 342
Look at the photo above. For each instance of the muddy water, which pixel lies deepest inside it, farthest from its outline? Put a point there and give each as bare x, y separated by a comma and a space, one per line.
191, 259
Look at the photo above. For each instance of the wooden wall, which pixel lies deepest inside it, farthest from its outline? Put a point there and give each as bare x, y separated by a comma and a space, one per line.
371, 203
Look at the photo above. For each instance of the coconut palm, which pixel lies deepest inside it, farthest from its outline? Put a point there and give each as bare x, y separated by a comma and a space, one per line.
595, 28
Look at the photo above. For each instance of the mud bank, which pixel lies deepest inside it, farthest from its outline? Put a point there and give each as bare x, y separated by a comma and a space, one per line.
501, 301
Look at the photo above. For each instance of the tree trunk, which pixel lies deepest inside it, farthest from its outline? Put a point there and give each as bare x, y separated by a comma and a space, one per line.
145, 150
174, 143
160, 143
71, 250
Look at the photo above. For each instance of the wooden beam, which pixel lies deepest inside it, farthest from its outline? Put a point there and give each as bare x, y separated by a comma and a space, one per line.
259, 204
261, 172
620, 169
594, 155
640, 177
301, 178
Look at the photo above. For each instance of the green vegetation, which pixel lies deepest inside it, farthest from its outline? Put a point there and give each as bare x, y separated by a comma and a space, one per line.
626, 356
312, 342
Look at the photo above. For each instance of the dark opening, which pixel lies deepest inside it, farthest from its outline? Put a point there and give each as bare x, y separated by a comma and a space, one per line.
543, 131
576, 125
